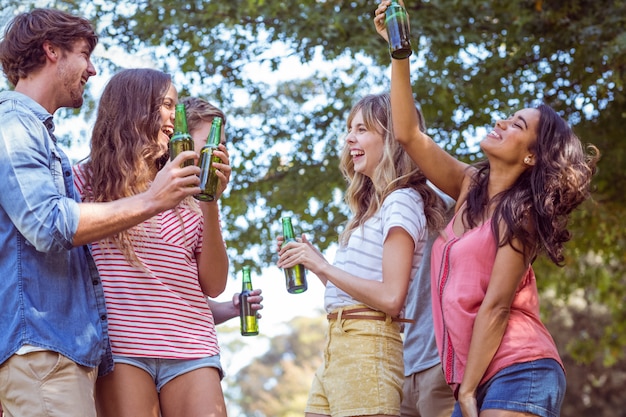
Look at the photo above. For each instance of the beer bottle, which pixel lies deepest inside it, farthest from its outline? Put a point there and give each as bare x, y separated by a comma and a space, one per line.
181, 139
208, 178
247, 316
397, 23
295, 277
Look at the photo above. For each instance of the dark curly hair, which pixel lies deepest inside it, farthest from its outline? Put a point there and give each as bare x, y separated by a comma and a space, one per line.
535, 209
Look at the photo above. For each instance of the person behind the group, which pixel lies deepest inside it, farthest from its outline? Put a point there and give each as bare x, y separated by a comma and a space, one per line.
425, 391
53, 319
157, 275
200, 114
497, 356
379, 251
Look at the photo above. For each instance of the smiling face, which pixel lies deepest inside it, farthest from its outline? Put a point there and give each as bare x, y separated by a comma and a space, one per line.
365, 145
512, 140
74, 69
167, 111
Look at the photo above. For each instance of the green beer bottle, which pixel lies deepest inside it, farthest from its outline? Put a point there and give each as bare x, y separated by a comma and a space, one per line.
181, 139
397, 23
208, 178
295, 277
247, 316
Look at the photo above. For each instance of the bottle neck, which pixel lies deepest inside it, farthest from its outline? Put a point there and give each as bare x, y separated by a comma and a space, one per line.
215, 134
288, 233
180, 121
246, 283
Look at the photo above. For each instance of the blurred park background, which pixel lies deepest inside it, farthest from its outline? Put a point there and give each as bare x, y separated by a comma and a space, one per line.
287, 72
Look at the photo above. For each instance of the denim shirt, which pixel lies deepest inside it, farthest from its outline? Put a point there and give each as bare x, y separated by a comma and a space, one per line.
51, 296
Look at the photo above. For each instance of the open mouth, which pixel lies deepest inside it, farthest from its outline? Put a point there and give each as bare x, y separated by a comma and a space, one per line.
494, 134
168, 131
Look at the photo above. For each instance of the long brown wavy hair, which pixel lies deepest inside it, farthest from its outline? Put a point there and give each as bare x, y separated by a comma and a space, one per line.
396, 170
536, 209
125, 140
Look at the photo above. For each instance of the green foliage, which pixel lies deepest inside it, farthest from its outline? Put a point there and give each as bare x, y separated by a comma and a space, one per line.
594, 388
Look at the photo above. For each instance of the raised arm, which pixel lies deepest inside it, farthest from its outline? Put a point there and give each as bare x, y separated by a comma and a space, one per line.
443, 170
213, 260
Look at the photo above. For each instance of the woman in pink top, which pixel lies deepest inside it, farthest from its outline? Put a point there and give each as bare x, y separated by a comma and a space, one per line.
496, 354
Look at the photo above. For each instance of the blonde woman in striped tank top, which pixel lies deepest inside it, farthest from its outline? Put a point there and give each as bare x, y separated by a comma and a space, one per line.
379, 252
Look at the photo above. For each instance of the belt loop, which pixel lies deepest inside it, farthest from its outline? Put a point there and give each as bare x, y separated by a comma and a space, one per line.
388, 319
339, 322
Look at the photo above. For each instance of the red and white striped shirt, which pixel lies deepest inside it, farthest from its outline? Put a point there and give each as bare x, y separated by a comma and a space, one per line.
157, 309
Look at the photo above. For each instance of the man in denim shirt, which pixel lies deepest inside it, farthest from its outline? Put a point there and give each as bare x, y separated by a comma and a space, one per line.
52, 317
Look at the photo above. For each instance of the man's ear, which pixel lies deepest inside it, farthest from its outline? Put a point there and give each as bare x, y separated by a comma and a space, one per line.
51, 51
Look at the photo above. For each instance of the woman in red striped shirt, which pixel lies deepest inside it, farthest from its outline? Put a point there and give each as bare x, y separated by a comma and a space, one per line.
157, 275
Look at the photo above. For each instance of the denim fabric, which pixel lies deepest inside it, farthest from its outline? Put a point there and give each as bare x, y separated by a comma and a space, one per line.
50, 291
163, 371
535, 387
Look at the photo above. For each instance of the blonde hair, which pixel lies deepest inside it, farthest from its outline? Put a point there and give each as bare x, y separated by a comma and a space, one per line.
395, 170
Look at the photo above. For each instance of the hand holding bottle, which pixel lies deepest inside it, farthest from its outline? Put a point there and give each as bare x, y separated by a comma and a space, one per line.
248, 316
223, 169
254, 298
213, 159
301, 252
173, 182
295, 275
392, 23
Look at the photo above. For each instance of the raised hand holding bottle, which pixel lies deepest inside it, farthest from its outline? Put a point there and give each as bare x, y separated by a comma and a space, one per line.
247, 316
295, 277
208, 177
397, 22
181, 140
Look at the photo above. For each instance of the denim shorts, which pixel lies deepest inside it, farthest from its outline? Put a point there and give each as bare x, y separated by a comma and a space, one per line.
363, 372
163, 371
535, 387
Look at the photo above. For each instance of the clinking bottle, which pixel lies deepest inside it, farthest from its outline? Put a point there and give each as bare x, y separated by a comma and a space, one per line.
295, 277
208, 177
397, 22
247, 316
181, 140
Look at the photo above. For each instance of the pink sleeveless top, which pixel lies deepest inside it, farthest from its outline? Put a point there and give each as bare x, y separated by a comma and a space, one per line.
461, 269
